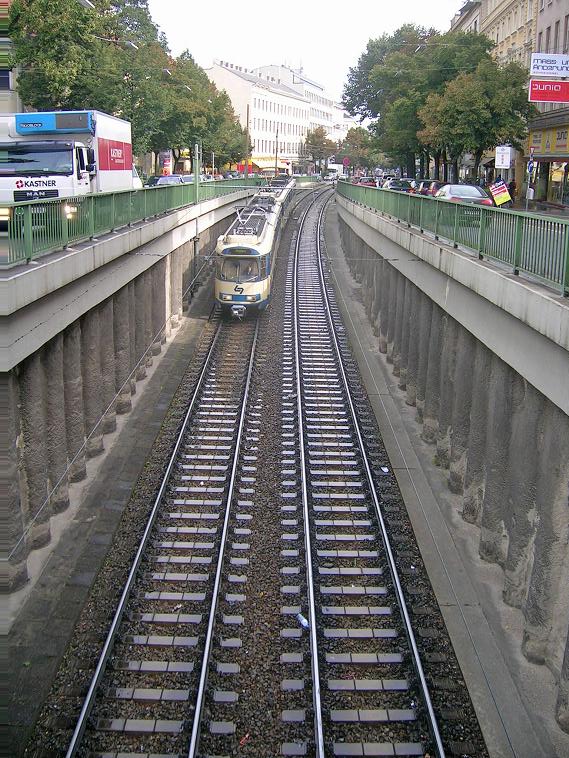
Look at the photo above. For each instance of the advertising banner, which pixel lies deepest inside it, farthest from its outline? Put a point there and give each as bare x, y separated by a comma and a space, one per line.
549, 64
548, 91
503, 157
500, 192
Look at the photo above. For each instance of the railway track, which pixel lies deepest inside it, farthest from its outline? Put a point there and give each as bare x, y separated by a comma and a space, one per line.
263, 614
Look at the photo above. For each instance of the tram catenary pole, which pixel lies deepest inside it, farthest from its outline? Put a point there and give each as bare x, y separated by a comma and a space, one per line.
247, 145
277, 151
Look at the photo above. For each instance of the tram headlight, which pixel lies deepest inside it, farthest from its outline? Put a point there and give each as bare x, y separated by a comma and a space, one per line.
251, 298
226, 297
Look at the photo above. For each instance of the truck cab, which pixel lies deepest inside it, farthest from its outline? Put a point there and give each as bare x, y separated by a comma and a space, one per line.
63, 154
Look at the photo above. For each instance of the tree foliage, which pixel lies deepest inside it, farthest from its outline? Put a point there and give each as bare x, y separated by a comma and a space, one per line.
397, 74
477, 111
317, 145
358, 147
116, 61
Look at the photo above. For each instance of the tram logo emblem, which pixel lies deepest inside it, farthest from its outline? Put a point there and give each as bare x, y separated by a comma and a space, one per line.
237, 289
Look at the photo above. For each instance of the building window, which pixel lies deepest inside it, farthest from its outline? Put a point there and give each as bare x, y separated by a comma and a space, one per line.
547, 39
539, 40
4, 78
541, 4
556, 38
566, 35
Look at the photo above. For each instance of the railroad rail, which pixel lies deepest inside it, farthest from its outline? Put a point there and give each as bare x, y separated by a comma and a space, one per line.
263, 614
149, 673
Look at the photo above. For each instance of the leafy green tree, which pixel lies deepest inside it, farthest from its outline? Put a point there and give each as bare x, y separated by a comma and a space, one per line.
52, 42
114, 60
478, 111
396, 75
318, 147
366, 93
358, 147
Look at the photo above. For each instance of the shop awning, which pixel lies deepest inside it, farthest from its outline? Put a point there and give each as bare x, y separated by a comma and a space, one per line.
268, 163
489, 162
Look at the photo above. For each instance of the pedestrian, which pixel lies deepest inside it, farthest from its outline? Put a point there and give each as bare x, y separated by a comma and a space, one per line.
512, 190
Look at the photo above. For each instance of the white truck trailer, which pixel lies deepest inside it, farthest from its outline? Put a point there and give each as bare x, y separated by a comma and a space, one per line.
63, 154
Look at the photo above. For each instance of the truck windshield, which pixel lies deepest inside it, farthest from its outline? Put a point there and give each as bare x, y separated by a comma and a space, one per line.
23, 160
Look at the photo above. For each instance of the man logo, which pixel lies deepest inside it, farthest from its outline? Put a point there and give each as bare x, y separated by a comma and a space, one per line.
116, 152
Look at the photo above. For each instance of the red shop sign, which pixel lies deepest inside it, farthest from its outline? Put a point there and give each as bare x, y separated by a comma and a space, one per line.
548, 91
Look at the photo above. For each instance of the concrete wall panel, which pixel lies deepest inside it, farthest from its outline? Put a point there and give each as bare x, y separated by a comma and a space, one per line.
57, 482
505, 443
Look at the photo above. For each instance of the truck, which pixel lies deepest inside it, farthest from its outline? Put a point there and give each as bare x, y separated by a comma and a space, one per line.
64, 154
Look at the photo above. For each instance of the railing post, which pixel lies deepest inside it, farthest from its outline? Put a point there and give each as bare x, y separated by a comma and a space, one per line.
455, 225
91, 205
113, 212
421, 202
28, 233
565, 283
64, 225
482, 232
437, 206
518, 243
409, 209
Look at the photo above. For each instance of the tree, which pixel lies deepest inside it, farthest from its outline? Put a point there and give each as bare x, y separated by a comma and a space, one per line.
478, 111
394, 78
318, 147
363, 95
358, 148
114, 60
52, 42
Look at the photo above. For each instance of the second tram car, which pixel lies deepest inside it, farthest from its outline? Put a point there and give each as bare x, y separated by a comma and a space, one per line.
246, 253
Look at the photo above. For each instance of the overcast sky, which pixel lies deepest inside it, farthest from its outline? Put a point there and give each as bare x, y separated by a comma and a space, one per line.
325, 42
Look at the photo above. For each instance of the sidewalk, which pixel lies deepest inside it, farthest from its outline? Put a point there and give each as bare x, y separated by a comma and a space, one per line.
541, 208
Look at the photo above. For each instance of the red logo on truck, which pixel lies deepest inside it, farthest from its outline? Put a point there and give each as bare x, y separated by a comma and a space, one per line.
114, 155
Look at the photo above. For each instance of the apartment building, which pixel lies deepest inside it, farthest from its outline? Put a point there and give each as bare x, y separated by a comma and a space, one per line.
282, 105
276, 115
467, 19
511, 24
548, 137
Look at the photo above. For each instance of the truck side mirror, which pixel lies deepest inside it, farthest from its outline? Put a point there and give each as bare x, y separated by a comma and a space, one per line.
90, 160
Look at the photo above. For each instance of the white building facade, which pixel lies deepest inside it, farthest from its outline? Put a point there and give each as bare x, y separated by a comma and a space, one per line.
282, 107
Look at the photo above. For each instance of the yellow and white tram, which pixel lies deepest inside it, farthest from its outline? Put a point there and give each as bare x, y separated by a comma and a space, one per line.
246, 253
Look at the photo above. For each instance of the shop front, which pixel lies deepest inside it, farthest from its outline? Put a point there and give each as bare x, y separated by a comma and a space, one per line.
548, 145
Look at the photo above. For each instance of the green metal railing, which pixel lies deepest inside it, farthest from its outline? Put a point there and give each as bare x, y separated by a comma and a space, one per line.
537, 245
31, 229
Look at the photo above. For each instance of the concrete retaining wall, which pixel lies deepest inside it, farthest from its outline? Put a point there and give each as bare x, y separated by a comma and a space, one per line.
504, 444
65, 397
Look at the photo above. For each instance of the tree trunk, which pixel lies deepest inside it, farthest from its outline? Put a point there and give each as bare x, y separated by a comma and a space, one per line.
455, 169
411, 165
437, 159
422, 164
477, 159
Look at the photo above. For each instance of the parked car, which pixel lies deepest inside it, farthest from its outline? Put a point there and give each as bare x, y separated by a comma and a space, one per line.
154, 181
464, 193
400, 185
187, 178
366, 181
433, 186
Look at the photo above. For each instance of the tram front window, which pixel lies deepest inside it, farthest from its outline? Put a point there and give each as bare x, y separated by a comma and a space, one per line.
239, 270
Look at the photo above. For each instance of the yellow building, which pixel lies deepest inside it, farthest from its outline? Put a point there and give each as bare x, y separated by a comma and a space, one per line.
512, 25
